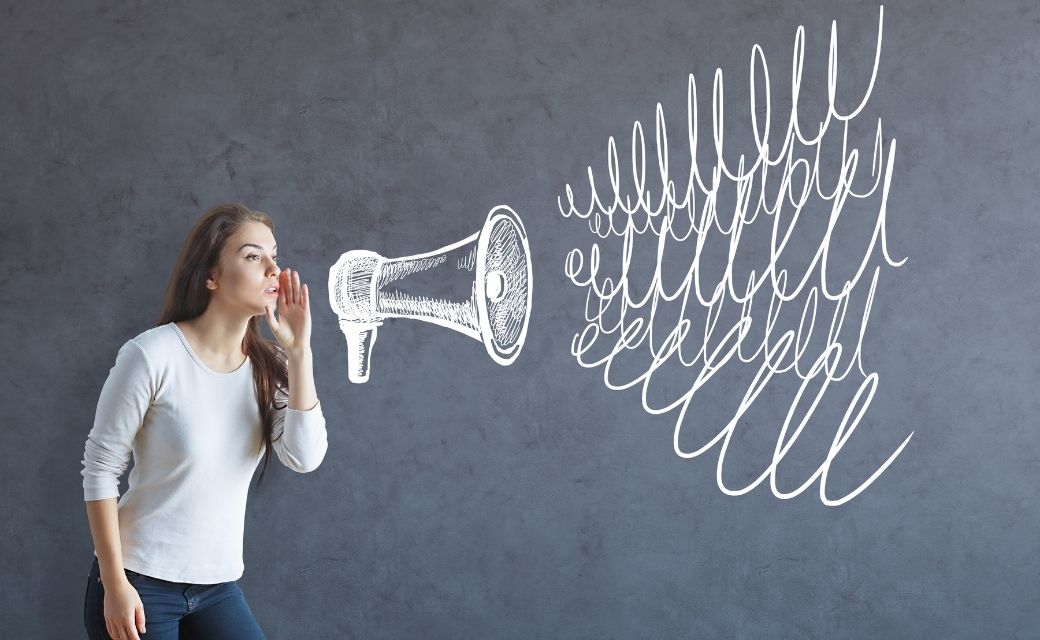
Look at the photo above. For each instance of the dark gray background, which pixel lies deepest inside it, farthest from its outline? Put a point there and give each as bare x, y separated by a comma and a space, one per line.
460, 499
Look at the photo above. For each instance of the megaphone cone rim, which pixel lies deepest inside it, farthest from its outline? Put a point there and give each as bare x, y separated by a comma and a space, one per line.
501, 355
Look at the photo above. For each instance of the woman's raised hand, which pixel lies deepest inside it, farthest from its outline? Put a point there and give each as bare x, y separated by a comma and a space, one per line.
292, 327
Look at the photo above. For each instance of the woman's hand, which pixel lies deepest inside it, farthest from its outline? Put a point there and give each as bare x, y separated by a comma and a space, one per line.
292, 328
124, 611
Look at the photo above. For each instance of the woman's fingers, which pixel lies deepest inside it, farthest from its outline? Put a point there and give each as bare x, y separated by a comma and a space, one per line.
122, 630
289, 284
115, 630
129, 630
290, 290
139, 616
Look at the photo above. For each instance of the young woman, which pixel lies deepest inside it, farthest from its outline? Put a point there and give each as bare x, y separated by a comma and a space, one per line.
198, 400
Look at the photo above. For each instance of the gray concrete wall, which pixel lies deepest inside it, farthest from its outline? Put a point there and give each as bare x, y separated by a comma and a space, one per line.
461, 499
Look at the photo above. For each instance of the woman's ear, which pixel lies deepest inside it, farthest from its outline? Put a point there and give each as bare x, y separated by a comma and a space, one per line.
211, 278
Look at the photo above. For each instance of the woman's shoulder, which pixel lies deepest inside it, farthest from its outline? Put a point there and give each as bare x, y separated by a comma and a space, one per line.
157, 342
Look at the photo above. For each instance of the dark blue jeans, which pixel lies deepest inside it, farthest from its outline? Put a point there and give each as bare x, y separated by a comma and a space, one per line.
176, 610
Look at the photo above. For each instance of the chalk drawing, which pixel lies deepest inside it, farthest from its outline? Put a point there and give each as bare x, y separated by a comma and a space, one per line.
480, 286
622, 323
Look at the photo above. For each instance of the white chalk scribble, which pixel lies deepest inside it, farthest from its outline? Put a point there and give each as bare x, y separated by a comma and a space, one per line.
786, 178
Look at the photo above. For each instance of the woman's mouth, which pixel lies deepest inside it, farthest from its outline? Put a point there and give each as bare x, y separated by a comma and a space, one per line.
273, 291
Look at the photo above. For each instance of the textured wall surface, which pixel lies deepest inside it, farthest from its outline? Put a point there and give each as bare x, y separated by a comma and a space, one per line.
462, 499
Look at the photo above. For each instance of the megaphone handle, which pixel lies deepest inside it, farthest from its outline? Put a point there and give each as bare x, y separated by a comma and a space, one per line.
360, 340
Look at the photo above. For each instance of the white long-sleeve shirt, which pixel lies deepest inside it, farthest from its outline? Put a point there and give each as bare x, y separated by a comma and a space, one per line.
196, 440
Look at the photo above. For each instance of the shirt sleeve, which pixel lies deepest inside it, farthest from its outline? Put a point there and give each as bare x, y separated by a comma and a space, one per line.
299, 437
124, 401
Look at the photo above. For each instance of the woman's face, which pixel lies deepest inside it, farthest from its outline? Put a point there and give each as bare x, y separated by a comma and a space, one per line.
247, 271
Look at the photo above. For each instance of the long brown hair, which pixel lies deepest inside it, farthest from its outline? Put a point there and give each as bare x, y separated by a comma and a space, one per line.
187, 297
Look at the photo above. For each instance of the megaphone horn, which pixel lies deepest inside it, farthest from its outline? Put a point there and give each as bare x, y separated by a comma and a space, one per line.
479, 286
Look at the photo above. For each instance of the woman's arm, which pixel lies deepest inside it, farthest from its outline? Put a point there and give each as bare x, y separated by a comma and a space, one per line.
299, 434
125, 398
104, 527
302, 394
124, 611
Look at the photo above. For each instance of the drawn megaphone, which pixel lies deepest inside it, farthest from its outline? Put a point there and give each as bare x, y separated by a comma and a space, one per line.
479, 286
